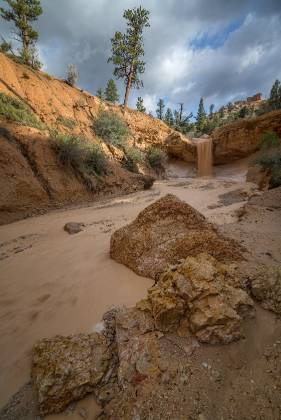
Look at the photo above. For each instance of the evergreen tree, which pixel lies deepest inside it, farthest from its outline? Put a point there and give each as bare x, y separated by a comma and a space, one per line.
111, 92
100, 94
221, 112
22, 13
139, 105
201, 116
169, 119
275, 95
128, 48
160, 109
212, 107
181, 121
72, 75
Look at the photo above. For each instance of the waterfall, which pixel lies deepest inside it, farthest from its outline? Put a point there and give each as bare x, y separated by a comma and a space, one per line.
205, 157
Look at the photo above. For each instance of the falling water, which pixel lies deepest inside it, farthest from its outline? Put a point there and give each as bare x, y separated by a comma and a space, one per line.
205, 157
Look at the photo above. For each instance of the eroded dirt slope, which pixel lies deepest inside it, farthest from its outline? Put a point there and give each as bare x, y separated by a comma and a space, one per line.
52, 100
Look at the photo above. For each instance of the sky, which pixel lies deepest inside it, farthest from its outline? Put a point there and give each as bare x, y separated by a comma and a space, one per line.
221, 50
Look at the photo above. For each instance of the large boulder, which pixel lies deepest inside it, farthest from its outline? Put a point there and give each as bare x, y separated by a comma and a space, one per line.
65, 369
201, 296
266, 288
166, 232
179, 146
259, 176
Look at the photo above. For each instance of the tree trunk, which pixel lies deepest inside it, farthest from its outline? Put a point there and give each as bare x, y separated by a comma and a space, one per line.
128, 87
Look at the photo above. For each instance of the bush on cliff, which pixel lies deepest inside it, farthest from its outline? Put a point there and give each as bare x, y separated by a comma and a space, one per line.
269, 157
157, 159
111, 128
133, 156
269, 140
76, 152
15, 110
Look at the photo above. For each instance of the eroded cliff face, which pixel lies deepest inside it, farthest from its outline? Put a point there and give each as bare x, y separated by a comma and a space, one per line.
54, 101
240, 139
32, 178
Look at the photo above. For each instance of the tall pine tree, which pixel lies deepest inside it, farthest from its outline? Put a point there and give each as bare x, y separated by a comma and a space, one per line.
275, 95
23, 13
169, 119
111, 92
201, 116
140, 106
128, 48
100, 94
160, 109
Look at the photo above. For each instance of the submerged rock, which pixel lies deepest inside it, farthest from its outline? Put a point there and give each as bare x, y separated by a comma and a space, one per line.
73, 227
166, 232
65, 369
200, 294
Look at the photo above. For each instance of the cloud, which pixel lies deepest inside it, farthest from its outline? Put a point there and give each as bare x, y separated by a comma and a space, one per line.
220, 52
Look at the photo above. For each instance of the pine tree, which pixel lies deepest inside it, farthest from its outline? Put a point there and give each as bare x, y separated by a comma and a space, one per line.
22, 13
201, 116
111, 92
181, 121
139, 105
212, 107
72, 75
169, 119
128, 48
160, 109
275, 95
100, 94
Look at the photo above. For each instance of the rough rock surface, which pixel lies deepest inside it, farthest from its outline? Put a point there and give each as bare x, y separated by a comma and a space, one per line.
165, 232
179, 146
202, 296
137, 346
266, 288
73, 227
257, 175
67, 368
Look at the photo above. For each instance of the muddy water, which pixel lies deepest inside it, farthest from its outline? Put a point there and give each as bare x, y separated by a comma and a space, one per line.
54, 283
205, 156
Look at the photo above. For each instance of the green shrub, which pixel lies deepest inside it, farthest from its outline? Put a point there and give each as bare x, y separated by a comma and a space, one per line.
157, 159
71, 150
76, 152
16, 110
96, 160
271, 160
133, 156
269, 140
111, 128
67, 122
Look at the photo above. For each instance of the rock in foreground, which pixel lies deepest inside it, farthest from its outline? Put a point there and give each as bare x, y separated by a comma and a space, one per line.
199, 296
266, 288
65, 369
166, 232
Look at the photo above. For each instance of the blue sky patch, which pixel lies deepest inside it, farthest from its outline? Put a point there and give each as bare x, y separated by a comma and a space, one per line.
216, 40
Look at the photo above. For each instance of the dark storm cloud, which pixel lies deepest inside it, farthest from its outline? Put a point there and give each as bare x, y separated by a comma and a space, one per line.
240, 53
